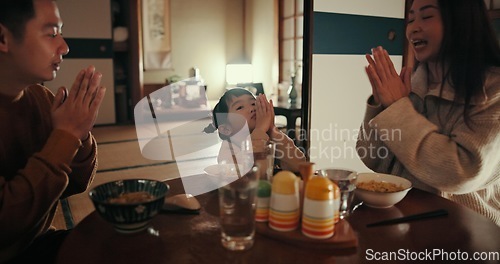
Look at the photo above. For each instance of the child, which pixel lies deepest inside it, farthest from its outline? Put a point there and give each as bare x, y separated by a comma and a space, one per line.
239, 115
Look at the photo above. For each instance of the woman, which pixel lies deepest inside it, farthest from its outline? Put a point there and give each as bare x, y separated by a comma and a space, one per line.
447, 113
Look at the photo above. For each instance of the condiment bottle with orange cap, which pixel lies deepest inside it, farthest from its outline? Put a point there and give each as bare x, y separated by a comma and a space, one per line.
318, 215
284, 212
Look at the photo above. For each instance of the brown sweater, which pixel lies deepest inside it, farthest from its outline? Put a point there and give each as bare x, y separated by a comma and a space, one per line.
38, 166
436, 150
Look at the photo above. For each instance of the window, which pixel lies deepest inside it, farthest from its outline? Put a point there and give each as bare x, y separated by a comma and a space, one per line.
291, 23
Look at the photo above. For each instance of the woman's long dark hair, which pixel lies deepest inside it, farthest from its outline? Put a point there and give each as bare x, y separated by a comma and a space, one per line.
469, 48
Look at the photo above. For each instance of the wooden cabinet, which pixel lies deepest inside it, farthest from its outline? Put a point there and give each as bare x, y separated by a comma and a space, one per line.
128, 69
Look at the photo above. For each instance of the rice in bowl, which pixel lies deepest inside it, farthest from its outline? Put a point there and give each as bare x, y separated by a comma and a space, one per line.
380, 190
380, 186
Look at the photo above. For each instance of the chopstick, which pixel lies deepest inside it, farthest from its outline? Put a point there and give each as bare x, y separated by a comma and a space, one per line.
437, 213
181, 211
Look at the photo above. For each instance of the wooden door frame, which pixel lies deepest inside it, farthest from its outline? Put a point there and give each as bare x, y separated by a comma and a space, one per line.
304, 135
136, 60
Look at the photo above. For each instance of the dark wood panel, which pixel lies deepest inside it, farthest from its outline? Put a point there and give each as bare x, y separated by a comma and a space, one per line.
85, 48
151, 87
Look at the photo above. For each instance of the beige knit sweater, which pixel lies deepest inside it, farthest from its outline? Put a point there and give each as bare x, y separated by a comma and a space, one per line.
434, 148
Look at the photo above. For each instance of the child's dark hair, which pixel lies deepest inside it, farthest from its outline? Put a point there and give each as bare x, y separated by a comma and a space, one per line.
222, 107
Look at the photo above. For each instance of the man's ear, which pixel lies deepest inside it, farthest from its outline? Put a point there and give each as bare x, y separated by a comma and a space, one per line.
225, 130
4, 47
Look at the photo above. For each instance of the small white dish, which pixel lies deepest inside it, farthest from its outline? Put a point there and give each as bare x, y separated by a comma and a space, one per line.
185, 201
218, 170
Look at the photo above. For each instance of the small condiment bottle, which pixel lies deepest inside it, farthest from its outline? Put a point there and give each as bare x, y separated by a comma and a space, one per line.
263, 201
284, 211
261, 153
318, 213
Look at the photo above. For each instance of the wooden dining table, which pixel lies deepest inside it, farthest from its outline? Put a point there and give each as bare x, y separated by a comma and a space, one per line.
183, 238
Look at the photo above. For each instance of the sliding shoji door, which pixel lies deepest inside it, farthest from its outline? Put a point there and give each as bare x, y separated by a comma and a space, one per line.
342, 33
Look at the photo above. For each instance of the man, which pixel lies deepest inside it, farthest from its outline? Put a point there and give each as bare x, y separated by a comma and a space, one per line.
46, 149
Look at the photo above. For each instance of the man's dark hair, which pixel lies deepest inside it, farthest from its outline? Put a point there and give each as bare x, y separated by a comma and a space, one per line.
14, 14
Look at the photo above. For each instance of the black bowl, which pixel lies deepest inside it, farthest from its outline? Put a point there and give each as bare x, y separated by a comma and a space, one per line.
129, 216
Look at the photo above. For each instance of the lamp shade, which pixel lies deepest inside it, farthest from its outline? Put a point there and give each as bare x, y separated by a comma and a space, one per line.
239, 73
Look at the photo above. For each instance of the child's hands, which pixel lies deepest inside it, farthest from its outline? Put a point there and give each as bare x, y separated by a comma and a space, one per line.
272, 117
264, 114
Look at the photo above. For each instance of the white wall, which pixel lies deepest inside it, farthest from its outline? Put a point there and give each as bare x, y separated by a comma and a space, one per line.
83, 20
261, 42
209, 34
198, 35
340, 89
381, 8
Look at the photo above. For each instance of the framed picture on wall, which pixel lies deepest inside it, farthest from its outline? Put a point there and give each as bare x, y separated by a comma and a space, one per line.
156, 34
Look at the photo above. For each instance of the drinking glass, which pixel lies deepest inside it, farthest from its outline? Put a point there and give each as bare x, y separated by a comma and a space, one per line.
237, 211
263, 154
346, 181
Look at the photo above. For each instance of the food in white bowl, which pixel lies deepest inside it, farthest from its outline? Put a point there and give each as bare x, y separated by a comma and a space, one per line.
381, 190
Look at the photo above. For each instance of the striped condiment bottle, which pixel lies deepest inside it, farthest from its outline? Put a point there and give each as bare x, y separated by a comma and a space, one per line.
318, 214
263, 201
284, 212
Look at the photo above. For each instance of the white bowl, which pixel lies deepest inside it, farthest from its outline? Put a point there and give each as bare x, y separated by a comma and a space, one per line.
378, 199
217, 170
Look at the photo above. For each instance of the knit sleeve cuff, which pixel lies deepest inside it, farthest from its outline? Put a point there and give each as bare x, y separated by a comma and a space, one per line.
372, 109
256, 134
60, 148
86, 148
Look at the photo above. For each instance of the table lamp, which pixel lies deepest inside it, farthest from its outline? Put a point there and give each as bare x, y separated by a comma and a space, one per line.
239, 73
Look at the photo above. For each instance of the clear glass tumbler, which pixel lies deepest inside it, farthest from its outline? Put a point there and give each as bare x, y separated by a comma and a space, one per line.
237, 211
346, 181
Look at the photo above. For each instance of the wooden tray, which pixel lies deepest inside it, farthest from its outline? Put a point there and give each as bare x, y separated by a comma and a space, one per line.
343, 239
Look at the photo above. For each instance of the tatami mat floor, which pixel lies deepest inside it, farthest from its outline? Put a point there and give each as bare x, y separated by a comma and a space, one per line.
120, 158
